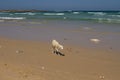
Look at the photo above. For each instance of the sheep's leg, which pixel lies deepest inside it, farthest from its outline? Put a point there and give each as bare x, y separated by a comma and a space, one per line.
56, 49
53, 49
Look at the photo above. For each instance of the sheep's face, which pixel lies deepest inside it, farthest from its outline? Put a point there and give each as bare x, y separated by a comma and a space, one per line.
61, 47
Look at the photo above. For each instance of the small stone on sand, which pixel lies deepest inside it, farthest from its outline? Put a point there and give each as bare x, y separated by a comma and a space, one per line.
86, 28
42, 67
101, 77
64, 18
19, 51
5, 64
95, 40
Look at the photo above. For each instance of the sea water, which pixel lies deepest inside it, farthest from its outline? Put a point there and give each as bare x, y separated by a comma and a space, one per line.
68, 27
92, 16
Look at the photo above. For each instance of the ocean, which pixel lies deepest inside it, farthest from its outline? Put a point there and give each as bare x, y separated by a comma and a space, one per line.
90, 16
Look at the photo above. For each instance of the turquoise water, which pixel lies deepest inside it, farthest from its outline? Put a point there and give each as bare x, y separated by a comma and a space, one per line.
91, 16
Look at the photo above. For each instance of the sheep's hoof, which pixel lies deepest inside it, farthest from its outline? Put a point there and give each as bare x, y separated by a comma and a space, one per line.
59, 53
54, 52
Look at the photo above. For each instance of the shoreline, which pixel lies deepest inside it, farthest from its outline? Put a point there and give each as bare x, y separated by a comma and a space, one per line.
70, 33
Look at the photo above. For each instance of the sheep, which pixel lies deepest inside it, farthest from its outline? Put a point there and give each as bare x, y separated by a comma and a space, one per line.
56, 46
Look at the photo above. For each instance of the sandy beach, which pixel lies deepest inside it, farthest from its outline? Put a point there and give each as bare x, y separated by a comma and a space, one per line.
25, 55
27, 60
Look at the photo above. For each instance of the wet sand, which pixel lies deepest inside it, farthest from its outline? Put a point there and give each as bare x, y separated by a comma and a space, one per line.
31, 58
67, 32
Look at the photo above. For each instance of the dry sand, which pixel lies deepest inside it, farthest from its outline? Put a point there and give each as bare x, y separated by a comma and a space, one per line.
31, 60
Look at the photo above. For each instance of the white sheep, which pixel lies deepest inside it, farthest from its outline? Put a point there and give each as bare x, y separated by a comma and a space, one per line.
56, 46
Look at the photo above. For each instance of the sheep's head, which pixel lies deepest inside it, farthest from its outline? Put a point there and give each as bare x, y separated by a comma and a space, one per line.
61, 47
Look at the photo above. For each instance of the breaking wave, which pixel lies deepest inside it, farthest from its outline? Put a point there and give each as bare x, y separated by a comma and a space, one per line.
75, 12
97, 13
12, 18
52, 14
26, 13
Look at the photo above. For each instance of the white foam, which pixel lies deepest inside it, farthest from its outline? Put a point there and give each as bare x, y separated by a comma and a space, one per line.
30, 13
64, 17
97, 13
52, 14
108, 20
26, 13
113, 20
12, 18
115, 15
75, 12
